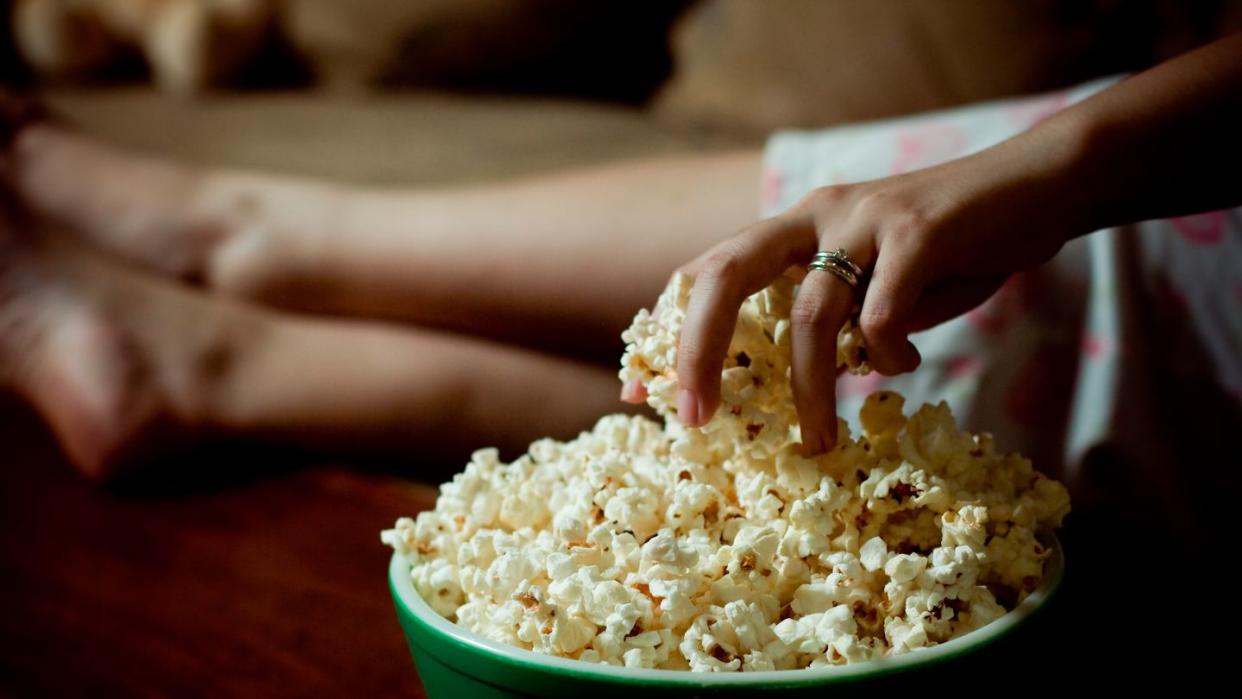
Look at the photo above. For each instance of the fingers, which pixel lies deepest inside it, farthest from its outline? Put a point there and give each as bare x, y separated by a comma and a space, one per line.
728, 274
633, 391
693, 267
892, 295
951, 299
821, 308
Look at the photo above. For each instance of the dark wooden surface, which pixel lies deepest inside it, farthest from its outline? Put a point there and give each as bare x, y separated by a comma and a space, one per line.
268, 585
272, 583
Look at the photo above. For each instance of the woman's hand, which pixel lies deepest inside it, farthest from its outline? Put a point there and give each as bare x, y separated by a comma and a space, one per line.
936, 243
939, 241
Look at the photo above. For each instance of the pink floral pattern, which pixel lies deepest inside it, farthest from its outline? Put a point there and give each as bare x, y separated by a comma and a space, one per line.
963, 366
851, 386
1028, 113
1007, 305
771, 186
1095, 346
926, 145
1201, 229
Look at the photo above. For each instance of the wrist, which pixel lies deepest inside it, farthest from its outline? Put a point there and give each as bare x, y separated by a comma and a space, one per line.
1092, 166
1049, 178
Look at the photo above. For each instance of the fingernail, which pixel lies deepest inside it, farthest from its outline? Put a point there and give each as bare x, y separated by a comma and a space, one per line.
688, 408
812, 444
916, 357
634, 392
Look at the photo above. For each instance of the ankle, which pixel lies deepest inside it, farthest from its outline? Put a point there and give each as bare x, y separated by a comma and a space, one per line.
203, 379
274, 248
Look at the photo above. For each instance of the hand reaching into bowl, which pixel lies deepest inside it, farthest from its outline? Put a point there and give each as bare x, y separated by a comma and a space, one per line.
934, 243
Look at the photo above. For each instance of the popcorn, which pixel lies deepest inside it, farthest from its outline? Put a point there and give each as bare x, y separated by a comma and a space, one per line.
905, 567
723, 549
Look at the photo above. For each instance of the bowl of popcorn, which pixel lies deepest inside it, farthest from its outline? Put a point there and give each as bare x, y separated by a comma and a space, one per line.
648, 556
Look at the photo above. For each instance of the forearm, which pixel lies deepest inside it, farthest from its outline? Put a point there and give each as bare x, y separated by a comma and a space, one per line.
1158, 144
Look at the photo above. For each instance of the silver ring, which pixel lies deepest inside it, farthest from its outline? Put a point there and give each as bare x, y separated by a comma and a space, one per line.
838, 263
840, 257
835, 268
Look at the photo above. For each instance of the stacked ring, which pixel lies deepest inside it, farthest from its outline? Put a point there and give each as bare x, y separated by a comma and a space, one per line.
838, 263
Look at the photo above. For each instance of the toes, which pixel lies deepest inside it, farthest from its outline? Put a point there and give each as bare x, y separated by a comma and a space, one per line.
17, 111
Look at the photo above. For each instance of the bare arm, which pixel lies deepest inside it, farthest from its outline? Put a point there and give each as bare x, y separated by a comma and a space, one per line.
939, 241
1156, 145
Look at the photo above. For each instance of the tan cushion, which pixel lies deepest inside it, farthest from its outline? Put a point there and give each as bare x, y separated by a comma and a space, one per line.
817, 62
402, 138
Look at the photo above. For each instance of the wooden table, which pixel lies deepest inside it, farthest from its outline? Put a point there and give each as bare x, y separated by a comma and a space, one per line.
271, 586
274, 584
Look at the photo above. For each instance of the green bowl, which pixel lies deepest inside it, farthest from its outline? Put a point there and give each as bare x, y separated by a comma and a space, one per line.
453, 662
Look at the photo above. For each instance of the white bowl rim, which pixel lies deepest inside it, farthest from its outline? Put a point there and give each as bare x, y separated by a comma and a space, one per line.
1053, 572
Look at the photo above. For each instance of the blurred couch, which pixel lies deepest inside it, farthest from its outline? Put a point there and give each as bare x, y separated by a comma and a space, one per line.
432, 91
815, 62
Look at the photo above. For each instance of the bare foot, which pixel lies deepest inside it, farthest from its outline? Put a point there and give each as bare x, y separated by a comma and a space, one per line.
118, 366
237, 233
136, 207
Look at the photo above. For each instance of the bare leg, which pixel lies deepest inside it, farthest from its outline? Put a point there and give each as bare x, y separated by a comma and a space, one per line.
569, 256
119, 362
